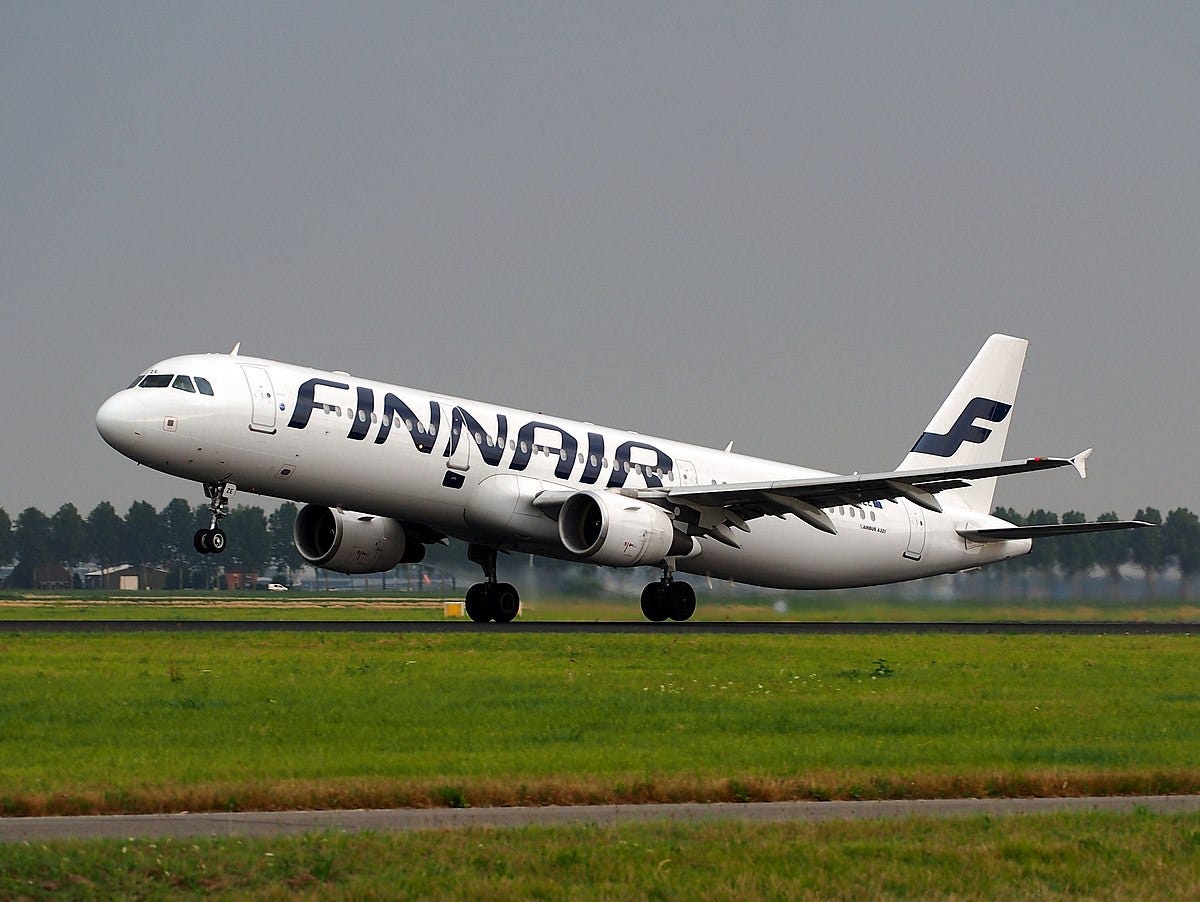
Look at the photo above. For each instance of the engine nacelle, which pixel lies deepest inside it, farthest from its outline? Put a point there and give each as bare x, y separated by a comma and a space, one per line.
617, 531
353, 543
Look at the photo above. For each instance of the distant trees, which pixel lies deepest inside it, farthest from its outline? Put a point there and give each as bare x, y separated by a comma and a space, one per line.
178, 527
280, 525
68, 536
7, 549
142, 537
105, 539
249, 547
31, 537
1181, 540
1147, 548
1076, 555
147, 538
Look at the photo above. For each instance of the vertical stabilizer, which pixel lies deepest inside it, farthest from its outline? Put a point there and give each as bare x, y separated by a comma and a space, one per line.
972, 424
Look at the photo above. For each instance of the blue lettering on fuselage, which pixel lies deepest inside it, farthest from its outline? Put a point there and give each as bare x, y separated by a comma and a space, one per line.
397, 412
525, 445
306, 400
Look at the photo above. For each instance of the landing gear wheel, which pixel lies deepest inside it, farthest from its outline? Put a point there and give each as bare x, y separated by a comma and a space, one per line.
680, 600
479, 606
216, 540
200, 541
505, 602
654, 603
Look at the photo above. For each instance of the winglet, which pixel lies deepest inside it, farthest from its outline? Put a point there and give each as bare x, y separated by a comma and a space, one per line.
1079, 462
237, 347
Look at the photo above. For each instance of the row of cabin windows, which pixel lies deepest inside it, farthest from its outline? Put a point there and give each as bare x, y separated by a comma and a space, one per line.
183, 383
856, 512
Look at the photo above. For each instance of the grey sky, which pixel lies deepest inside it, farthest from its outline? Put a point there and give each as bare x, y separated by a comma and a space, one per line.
790, 225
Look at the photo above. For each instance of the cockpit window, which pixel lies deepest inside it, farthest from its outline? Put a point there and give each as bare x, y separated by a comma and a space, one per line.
134, 383
157, 380
183, 383
203, 385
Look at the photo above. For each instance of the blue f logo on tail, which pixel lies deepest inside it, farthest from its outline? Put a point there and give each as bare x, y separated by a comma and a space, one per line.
964, 428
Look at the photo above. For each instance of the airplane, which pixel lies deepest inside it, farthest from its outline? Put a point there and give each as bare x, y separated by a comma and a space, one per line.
383, 471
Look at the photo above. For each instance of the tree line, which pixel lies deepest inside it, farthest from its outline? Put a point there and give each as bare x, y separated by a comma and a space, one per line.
147, 538
1174, 543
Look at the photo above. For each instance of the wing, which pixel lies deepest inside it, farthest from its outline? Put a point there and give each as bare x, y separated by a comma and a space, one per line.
717, 507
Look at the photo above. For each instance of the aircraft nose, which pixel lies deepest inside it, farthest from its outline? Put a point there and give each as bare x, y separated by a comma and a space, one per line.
121, 420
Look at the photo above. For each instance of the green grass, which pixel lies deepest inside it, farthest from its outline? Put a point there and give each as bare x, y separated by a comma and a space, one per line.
180, 721
375, 605
1029, 857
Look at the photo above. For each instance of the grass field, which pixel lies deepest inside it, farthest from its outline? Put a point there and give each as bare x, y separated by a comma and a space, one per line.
160, 722
154, 722
1031, 857
846, 605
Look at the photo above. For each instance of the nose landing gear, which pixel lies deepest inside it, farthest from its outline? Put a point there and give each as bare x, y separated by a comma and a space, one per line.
212, 540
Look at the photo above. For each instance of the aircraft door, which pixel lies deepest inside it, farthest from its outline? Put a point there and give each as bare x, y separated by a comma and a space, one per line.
686, 472
460, 441
262, 399
916, 531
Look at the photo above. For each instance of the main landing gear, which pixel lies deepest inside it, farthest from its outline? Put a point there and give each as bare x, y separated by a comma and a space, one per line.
490, 600
667, 599
212, 540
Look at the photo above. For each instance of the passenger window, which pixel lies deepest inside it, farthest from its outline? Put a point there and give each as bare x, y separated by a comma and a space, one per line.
183, 383
204, 386
157, 381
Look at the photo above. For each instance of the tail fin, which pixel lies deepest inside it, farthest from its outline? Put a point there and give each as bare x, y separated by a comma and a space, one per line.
986, 392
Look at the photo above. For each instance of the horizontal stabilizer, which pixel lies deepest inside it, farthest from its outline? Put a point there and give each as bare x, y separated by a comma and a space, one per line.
1005, 533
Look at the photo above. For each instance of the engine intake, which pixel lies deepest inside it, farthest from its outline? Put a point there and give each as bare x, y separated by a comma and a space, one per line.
610, 529
353, 543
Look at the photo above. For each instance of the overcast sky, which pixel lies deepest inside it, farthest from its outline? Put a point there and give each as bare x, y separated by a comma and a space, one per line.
791, 225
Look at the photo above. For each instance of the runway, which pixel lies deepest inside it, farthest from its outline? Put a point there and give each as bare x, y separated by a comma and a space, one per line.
791, 627
279, 823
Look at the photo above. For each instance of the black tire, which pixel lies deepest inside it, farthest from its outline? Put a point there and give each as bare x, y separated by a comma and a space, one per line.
479, 607
680, 601
506, 603
654, 603
216, 540
200, 541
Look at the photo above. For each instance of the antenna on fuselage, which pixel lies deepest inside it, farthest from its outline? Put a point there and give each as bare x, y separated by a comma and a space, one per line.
237, 347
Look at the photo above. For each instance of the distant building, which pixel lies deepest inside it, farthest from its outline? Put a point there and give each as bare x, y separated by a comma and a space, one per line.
49, 576
127, 577
233, 580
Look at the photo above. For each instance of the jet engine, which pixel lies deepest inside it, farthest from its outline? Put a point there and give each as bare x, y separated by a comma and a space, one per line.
609, 529
353, 543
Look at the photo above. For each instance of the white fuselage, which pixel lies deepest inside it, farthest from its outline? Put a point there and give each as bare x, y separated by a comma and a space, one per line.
470, 470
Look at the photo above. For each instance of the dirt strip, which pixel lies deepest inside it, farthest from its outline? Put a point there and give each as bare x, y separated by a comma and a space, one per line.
277, 823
